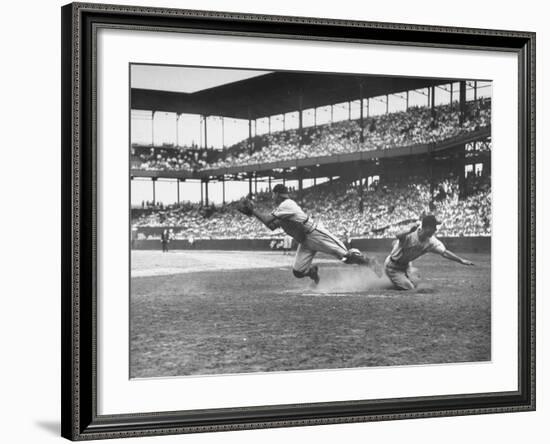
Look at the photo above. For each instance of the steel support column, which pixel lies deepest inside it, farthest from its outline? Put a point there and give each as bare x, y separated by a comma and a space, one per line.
205, 133
250, 145
432, 101
153, 129
223, 133
300, 117
460, 164
462, 101
177, 130
361, 119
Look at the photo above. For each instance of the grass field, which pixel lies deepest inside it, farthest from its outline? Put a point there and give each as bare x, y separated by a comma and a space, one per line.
218, 312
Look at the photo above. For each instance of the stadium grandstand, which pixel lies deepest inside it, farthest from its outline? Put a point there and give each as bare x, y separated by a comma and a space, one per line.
363, 154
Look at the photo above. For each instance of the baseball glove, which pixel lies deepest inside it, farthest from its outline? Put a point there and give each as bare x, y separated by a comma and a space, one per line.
246, 207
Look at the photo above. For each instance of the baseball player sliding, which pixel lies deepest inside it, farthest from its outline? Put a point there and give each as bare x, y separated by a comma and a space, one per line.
412, 244
310, 236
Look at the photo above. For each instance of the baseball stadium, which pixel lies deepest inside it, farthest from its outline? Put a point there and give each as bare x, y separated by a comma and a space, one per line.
368, 157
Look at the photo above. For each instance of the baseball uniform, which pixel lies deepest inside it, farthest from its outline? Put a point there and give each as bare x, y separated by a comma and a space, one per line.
311, 236
398, 264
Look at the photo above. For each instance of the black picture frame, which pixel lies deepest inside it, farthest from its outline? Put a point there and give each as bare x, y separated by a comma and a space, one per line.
80, 420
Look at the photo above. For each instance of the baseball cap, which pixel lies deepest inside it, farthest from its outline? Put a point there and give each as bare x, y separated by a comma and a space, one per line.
280, 189
429, 221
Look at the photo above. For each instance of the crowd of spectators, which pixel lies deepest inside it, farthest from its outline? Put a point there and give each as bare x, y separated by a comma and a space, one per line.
168, 158
386, 209
417, 125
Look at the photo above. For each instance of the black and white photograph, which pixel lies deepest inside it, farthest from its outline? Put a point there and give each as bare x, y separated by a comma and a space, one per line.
277, 222
298, 221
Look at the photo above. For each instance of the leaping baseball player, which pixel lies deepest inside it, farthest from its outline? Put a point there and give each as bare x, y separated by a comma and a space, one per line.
412, 244
311, 236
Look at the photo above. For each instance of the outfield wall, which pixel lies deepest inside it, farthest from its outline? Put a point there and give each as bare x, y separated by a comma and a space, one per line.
478, 244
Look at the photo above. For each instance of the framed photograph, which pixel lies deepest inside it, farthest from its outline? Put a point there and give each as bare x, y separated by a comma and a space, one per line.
278, 221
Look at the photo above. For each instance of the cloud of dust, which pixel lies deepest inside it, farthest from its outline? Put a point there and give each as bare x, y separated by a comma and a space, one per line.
351, 280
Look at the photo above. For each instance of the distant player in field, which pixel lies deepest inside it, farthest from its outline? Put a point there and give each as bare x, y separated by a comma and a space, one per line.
310, 235
287, 244
165, 239
412, 244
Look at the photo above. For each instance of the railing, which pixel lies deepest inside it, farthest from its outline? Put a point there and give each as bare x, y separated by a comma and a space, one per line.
321, 160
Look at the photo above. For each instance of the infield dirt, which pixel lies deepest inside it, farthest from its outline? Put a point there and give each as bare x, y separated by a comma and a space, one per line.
195, 313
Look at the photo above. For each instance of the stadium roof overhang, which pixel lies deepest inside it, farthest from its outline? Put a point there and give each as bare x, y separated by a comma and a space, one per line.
277, 93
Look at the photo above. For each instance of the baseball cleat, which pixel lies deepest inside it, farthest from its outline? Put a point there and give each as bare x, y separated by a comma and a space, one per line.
354, 256
314, 274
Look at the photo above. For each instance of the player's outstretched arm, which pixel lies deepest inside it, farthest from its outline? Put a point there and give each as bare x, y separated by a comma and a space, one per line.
247, 208
402, 234
266, 218
447, 254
